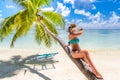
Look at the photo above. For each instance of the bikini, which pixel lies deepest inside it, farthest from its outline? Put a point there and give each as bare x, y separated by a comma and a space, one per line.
74, 41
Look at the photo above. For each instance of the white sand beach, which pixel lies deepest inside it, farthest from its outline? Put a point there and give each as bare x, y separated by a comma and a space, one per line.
107, 62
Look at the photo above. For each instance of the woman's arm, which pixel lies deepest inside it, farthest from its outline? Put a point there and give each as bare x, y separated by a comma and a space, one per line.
77, 31
80, 29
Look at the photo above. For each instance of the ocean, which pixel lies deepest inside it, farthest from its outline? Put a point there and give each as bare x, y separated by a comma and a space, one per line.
101, 39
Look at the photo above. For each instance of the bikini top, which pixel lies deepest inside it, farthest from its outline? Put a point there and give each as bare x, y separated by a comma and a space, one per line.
74, 41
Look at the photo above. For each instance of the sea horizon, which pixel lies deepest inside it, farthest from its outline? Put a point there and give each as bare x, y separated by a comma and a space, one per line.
91, 39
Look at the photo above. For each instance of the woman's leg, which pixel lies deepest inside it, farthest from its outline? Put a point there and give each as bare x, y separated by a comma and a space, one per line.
88, 59
85, 56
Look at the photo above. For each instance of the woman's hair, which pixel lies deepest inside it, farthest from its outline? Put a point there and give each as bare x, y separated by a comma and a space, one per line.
71, 27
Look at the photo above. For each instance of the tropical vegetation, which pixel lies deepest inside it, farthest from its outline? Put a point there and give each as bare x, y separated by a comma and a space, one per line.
22, 22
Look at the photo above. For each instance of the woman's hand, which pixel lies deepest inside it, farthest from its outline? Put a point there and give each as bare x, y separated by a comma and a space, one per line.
80, 29
66, 45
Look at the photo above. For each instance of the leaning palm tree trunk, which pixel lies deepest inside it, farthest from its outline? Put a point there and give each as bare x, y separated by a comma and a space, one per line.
78, 62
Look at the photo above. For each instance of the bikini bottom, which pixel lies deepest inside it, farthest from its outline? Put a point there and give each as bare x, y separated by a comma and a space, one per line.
74, 50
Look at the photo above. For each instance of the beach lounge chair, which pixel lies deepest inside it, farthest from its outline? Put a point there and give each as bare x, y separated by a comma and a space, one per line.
43, 60
45, 57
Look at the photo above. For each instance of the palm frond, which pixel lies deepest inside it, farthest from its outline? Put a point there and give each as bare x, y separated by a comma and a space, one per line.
50, 26
8, 26
39, 3
31, 8
0, 34
24, 26
39, 33
21, 3
23, 20
35, 3
42, 36
54, 18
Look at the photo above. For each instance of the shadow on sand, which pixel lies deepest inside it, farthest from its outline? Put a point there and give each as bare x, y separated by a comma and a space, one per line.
16, 64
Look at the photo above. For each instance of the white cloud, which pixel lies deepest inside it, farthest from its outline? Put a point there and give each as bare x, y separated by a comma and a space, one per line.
69, 1
72, 1
1, 19
79, 20
48, 9
10, 6
81, 4
73, 21
98, 22
84, 4
93, 6
0, 13
114, 18
95, 18
100, 25
82, 12
91, 0
65, 11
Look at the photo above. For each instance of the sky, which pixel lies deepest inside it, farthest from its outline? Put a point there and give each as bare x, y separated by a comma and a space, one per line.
89, 14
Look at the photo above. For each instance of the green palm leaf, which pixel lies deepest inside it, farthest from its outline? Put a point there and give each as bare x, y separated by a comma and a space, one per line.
54, 18
39, 33
40, 3
42, 36
24, 25
21, 22
50, 26
37, 3
21, 2
8, 26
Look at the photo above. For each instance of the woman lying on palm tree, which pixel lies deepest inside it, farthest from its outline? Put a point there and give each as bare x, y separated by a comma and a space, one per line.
76, 50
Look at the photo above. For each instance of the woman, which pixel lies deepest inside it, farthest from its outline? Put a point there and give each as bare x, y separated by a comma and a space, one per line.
76, 50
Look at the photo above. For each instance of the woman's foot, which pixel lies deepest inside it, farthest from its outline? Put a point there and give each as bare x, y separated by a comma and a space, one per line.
99, 76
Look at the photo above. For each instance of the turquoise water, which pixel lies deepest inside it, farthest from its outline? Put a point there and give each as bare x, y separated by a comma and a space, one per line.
91, 39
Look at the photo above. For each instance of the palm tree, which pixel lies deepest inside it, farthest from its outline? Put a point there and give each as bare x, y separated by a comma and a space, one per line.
23, 21
44, 22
